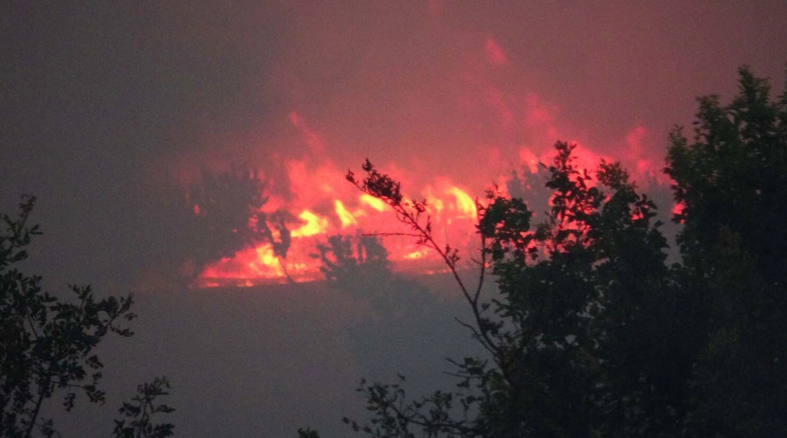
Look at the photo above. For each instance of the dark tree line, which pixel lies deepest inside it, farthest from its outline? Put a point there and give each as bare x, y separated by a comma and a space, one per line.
592, 332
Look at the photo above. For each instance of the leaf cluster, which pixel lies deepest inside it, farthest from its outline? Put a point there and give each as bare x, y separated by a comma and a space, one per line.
137, 414
47, 344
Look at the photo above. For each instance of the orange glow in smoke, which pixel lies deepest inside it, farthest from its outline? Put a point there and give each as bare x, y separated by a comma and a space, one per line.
373, 202
266, 263
345, 216
464, 203
314, 225
318, 202
421, 253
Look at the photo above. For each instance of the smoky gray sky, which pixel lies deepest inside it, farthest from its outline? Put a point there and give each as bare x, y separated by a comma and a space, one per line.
109, 108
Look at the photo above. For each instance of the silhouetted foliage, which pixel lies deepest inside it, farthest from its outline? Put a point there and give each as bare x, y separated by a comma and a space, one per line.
732, 183
345, 258
227, 217
46, 345
734, 176
593, 334
307, 433
136, 421
397, 308
555, 365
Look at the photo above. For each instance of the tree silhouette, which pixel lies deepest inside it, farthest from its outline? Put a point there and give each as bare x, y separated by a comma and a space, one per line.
556, 363
402, 315
731, 181
47, 345
734, 176
344, 259
137, 414
227, 217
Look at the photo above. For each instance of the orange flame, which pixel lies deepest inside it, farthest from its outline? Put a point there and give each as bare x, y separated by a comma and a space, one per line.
373, 202
345, 216
464, 203
314, 225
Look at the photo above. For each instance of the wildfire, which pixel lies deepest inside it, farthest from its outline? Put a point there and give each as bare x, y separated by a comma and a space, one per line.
314, 224
319, 203
327, 205
352, 214
372, 202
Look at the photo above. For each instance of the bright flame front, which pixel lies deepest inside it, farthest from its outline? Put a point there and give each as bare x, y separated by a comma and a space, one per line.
319, 215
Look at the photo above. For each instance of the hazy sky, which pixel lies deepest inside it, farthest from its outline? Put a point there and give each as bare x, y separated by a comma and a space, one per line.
107, 108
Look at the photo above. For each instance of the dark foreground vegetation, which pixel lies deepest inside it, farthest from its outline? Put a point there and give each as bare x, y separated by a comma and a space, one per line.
47, 346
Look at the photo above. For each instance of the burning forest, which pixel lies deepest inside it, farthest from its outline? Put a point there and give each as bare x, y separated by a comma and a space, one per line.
287, 235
